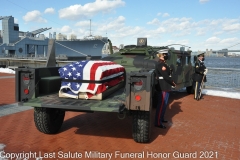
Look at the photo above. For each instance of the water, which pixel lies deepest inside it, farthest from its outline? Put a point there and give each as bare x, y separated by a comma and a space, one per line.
222, 62
223, 72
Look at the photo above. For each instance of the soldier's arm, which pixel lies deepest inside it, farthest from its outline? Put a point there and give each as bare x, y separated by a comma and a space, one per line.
199, 69
163, 71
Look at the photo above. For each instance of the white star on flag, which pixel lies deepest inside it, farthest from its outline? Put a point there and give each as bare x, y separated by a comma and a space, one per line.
78, 74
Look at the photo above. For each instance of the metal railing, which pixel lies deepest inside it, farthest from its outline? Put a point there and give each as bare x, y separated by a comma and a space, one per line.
223, 78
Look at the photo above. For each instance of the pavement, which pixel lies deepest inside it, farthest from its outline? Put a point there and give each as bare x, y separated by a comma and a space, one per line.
205, 129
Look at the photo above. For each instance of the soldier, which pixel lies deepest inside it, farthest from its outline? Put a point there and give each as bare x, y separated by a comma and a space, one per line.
199, 76
163, 87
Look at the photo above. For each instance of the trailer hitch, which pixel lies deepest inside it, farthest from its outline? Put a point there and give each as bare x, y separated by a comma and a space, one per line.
122, 112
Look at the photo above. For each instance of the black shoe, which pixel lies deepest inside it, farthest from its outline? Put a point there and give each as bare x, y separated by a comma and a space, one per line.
161, 126
164, 121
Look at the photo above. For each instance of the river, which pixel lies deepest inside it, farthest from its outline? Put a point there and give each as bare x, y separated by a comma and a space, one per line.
222, 62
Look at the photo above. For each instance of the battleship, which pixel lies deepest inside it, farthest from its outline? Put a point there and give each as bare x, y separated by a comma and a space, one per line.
19, 44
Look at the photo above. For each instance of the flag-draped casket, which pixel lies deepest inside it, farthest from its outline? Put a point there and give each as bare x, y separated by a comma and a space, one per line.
89, 79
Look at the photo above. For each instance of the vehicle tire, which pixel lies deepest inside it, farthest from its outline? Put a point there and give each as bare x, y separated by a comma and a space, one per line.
48, 120
190, 89
141, 126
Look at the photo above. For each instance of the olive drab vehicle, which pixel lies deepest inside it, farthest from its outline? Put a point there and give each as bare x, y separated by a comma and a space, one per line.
38, 87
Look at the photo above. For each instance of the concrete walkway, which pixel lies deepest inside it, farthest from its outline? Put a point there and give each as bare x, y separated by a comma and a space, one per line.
2, 77
12, 108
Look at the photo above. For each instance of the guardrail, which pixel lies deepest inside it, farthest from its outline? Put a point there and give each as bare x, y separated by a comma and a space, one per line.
223, 78
13, 58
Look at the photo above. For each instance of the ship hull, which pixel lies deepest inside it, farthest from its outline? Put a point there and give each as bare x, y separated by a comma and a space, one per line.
72, 50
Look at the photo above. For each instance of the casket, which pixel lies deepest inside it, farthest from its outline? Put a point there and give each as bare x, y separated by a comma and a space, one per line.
90, 79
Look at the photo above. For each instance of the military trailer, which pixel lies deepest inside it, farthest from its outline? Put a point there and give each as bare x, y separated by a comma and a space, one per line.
39, 88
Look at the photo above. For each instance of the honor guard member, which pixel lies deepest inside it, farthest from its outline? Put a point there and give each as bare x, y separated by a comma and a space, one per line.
199, 76
163, 75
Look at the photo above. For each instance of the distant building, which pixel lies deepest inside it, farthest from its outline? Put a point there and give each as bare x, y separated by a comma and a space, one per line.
231, 54
115, 49
121, 46
73, 37
61, 37
208, 52
106, 49
54, 35
50, 35
41, 36
98, 37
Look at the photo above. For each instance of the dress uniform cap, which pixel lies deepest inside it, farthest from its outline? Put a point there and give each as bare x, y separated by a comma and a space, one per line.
162, 51
201, 54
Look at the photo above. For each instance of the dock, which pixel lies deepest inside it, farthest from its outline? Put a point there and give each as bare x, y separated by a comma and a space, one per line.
205, 129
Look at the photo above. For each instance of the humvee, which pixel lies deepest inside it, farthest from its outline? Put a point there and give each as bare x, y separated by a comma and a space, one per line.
38, 87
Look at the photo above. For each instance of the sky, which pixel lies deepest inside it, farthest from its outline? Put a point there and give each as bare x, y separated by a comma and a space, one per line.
199, 24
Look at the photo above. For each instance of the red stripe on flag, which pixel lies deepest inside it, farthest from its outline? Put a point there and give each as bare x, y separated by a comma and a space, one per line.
102, 87
93, 70
106, 73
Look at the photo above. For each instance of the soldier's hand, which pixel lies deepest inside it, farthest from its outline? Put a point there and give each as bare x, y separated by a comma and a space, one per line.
174, 85
205, 71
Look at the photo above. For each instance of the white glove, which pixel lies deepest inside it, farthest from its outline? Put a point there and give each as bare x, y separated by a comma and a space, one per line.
205, 71
174, 85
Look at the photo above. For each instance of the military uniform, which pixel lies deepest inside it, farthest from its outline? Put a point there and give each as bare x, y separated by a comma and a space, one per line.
163, 74
200, 68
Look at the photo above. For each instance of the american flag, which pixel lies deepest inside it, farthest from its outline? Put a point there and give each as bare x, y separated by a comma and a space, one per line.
89, 70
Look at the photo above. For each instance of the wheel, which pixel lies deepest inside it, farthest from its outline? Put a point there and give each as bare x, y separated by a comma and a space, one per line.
48, 120
141, 126
190, 89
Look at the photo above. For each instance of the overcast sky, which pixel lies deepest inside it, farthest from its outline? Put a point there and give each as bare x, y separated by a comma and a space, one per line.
200, 24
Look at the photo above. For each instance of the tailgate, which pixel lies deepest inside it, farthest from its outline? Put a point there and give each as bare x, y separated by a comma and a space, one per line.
113, 103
